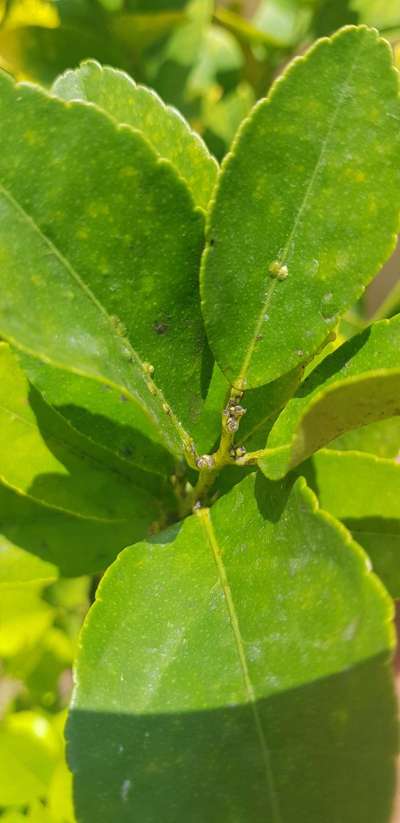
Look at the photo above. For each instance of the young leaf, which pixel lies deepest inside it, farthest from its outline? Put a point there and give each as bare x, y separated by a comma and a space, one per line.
139, 107
364, 492
43, 458
306, 209
357, 384
248, 691
112, 285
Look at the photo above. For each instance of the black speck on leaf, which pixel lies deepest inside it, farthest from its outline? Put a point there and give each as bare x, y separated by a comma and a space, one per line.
160, 328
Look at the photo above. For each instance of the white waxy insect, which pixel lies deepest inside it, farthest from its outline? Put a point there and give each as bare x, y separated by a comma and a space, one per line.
206, 461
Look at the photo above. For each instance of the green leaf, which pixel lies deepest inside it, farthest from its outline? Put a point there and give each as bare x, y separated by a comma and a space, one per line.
18, 566
28, 748
357, 384
381, 438
100, 413
112, 284
248, 691
24, 618
43, 458
42, 53
306, 209
283, 22
60, 795
139, 107
75, 545
364, 492
154, 6
380, 13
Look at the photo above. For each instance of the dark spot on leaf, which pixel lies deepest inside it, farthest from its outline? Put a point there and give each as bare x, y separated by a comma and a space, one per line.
123, 398
127, 451
213, 241
160, 328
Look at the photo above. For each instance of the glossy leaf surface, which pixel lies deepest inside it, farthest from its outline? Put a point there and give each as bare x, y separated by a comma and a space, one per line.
359, 383
139, 107
112, 284
364, 492
306, 210
237, 695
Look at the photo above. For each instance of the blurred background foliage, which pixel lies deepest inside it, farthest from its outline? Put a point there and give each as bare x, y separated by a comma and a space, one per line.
212, 61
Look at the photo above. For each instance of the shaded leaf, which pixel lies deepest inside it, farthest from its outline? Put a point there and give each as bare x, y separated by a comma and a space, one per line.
139, 107
42, 53
75, 545
306, 210
102, 414
359, 383
249, 690
43, 458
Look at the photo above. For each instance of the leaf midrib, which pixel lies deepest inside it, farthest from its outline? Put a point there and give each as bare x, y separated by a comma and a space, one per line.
205, 519
240, 381
87, 291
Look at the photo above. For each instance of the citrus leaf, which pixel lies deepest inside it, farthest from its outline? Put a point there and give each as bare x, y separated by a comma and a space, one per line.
359, 383
381, 438
248, 691
263, 406
24, 619
306, 209
139, 107
75, 545
41, 53
364, 492
102, 414
18, 566
43, 458
29, 748
112, 284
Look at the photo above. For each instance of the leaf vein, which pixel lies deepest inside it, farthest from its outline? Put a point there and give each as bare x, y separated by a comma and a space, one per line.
204, 515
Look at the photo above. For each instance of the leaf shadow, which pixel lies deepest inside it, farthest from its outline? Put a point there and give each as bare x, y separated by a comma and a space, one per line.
71, 488
331, 757
333, 363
